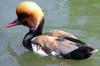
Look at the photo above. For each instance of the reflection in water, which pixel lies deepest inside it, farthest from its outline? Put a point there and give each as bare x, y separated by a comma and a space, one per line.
79, 17
29, 59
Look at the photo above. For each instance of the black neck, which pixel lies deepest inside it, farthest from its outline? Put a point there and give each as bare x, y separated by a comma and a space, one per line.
31, 34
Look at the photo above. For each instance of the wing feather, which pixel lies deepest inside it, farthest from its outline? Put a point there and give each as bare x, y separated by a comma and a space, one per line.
51, 45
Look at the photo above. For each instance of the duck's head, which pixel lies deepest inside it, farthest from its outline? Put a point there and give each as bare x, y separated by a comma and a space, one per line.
28, 14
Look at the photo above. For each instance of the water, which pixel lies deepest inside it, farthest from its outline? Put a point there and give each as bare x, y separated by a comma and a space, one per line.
79, 17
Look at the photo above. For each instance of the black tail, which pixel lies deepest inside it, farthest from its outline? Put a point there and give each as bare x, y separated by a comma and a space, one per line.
81, 53
84, 51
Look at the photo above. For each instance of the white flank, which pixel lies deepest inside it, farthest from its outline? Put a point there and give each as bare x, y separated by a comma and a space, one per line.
54, 53
38, 50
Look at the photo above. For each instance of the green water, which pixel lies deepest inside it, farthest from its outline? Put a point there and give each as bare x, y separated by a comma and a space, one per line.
79, 17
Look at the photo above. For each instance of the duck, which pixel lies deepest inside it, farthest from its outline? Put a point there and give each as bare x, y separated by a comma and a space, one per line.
56, 43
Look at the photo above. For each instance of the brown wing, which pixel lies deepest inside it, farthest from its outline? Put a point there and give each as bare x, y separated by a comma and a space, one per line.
59, 33
54, 45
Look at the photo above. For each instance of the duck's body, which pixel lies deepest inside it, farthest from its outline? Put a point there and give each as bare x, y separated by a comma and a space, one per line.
65, 45
54, 43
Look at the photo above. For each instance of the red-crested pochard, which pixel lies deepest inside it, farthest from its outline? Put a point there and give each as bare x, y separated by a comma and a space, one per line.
54, 43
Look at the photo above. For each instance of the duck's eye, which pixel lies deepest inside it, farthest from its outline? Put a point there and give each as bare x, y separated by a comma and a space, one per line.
22, 16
